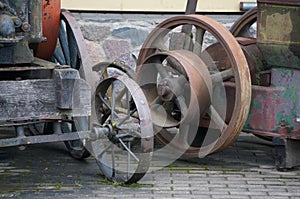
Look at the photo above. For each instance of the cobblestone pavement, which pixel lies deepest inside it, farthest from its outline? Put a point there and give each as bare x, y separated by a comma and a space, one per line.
244, 170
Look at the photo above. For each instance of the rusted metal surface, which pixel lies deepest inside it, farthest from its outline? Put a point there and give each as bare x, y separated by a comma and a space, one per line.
195, 87
271, 106
50, 27
280, 46
241, 27
154, 43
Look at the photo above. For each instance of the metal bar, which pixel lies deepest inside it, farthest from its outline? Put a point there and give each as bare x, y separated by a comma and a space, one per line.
245, 6
187, 29
9, 142
191, 7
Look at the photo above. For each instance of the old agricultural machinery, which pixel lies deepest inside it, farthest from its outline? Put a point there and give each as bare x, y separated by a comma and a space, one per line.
210, 84
196, 87
47, 83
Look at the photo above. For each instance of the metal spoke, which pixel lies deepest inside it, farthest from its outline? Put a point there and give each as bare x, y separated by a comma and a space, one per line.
127, 117
216, 118
107, 105
113, 162
223, 75
106, 149
129, 151
112, 102
180, 102
198, 41
161, 70
128, 161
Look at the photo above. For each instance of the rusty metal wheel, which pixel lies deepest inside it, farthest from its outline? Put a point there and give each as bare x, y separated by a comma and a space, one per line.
211, 41
245, 26
124, 150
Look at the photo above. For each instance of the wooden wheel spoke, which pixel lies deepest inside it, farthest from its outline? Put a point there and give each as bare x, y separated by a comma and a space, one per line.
59, 56
73, 49
64, 42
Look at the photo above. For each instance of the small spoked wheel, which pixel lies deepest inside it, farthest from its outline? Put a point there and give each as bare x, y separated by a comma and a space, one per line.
123, 148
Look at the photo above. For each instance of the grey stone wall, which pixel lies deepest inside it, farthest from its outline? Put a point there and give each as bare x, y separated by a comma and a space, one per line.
120, 36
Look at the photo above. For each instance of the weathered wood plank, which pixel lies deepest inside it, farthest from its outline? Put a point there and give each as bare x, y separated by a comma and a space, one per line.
33, 99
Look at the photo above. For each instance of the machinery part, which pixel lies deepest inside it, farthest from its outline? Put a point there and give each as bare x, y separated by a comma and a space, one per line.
246, 6
50, 27
71, 50
76, 147
178, 93
226, 77
280, 48
244, 26
124, 151
117, 67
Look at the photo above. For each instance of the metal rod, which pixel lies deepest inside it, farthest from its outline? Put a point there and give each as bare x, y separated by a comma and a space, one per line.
37, 139
191, 7
244, 6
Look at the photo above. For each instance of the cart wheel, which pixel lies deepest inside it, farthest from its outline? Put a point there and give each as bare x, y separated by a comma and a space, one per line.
123, 153
228, 110
71, 50
245, 26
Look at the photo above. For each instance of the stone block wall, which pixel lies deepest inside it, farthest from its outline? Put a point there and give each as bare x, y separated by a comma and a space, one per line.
120, 36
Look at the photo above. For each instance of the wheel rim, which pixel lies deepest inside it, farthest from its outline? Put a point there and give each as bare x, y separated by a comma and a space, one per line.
241, 28
129, 124
200, 25
71, 50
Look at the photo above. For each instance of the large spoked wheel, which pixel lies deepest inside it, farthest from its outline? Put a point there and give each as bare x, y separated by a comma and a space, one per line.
231, 84
123, 151
71, 50
245, 26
